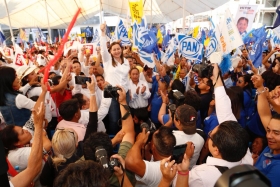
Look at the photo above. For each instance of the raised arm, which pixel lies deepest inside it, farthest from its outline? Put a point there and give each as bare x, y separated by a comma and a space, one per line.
93, 121
34, 164
222, 101
265, 60
127, 121
100, 70
263, 105
103, 44
253, 68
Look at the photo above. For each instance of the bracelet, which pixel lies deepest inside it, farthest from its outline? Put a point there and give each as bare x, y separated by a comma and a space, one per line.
92, 94
183, 173
264, 90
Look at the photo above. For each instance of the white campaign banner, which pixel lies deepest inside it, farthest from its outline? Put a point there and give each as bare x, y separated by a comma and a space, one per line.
230, 37
245, 17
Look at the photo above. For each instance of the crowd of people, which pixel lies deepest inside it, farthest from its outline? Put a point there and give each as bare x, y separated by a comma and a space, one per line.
114, 121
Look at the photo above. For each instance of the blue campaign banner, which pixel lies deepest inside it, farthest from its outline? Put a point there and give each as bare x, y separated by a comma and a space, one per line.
122, 34
190, 48
212, 47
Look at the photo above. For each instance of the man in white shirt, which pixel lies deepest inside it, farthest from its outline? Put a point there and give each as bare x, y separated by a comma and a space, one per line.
185, 120
228, 143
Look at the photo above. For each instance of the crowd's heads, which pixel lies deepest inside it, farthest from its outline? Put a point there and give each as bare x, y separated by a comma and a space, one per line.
236, 97
140, 115
245, 82
70, 110
100, 81
163, 141
258, 145
134, 74
27, 73
83, 101
186, 116
192, 99
14, 136
76, 67
272, 133
86, 173
93, 69
228, 140
64, 142
205, 85
95, 140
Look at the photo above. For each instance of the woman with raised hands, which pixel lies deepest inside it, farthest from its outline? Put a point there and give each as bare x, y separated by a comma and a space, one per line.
116, 69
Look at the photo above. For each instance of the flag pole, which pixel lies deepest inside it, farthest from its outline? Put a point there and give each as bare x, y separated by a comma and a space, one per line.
100, 12
11, 30
151, 13
49, 29
184, 18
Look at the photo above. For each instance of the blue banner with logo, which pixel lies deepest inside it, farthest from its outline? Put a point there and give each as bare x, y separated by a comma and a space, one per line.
190, 48
121, 34
212, 46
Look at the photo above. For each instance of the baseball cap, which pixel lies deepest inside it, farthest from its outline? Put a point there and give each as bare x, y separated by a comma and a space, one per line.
187, 116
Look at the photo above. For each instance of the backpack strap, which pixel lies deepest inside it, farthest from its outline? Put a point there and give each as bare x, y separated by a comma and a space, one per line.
222, 169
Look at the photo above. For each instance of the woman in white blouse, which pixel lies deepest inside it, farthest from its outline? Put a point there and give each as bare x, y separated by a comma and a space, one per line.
116, 69
139, 90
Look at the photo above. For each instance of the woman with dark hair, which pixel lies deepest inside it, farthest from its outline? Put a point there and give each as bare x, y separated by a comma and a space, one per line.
116, 69
15, 107
272, 76
18, 141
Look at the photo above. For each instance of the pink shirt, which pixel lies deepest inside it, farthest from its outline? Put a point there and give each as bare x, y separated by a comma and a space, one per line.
80, 129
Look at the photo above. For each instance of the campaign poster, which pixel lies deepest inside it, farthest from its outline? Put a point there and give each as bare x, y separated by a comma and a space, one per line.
245, 17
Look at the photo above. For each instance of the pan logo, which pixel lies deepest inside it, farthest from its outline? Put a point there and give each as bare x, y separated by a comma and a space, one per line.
212, 47
190, 47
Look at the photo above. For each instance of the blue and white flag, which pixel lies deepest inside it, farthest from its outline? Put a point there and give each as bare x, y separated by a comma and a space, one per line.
134, 37
121, 34
146, 40
212, 46
95, 37
165, 42
42, 36
88, 32
169, 53
190, 48
2, 38
147, 58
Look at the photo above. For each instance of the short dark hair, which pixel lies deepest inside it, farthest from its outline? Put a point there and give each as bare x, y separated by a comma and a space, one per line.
68, 108
84, 173
276, 116
232, 141
141, 114
76, 62
80, 99
94, 140
55, 80
9, 138
192, 99
164, 141
99, 75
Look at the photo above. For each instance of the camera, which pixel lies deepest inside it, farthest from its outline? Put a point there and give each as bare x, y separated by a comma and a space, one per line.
114, 162
178, 99
111, 92
102, 158
150, 128
203, 70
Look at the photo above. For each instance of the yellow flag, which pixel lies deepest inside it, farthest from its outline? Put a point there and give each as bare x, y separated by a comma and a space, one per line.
22, 35
82, 35
159, 37
195, 32
129, 33
136, 10
206, 42
178, 72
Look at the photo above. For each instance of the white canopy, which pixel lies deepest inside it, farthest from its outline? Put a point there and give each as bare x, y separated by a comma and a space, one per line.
32, 13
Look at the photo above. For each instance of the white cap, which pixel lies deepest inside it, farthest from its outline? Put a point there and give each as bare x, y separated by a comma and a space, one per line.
215, 58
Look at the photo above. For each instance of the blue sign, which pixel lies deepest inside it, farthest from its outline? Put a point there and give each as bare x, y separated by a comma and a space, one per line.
212, 47
190, 48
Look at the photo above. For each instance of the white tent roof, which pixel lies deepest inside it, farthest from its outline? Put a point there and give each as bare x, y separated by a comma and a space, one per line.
32, 13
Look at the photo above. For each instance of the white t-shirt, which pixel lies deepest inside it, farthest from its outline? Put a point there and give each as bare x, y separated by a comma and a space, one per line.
198, 141
139, 100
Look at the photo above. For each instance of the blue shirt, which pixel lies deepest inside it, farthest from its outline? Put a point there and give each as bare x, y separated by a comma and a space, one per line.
155, 107
269, 165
